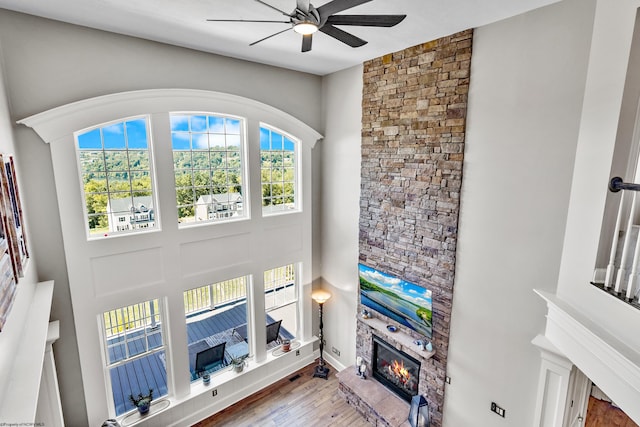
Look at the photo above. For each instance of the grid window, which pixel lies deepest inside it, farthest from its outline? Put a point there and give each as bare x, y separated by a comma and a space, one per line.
115, 165
216, 325
281, 303
208, 167
278, 171
135, 352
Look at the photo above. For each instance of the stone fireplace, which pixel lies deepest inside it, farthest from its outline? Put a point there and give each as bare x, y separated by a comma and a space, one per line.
413, 132
395, 369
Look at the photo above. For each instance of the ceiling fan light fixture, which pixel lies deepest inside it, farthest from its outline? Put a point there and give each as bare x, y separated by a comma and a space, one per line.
305, 28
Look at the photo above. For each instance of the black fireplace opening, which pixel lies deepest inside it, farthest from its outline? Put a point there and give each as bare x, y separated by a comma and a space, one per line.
395, 369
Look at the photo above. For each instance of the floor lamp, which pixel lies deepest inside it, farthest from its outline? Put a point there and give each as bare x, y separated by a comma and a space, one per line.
321, 296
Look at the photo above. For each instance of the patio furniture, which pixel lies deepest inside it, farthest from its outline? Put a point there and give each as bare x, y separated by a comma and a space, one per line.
210, 359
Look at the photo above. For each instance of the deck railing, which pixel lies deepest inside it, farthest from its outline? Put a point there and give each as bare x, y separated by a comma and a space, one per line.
214, 296
132, 317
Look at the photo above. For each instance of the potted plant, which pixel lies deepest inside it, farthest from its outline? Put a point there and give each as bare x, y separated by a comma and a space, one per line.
143, 403
238, 363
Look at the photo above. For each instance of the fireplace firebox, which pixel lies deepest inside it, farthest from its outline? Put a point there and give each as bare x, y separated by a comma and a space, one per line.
395, 369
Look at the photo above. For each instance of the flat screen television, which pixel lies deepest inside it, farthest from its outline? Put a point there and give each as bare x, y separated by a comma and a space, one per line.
402, 301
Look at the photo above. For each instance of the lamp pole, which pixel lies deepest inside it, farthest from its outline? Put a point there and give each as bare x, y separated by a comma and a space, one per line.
321, 370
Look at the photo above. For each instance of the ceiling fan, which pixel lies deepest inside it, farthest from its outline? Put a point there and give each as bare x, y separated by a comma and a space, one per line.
307, 19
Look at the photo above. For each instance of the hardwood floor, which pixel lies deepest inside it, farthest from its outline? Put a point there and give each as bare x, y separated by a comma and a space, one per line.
298, 400
603, 414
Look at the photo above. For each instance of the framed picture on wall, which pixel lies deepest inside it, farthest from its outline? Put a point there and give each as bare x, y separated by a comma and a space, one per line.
16, 207
10, 254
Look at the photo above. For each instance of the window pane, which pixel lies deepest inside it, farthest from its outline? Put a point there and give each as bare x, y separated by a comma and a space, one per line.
198, 123
126, 159
205, 160
181, 141
280, 297
217, 326
278, 163
137, 134
135, 356
113, 136
179, 122
90, 140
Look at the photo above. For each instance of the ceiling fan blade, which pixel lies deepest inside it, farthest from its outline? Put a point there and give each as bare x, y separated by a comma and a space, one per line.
366, 20
273, 7
336, 6
303, 5
306, 42
342, 36
247, 20
268, 37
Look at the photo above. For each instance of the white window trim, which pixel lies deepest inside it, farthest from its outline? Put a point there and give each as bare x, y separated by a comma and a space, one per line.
56, 127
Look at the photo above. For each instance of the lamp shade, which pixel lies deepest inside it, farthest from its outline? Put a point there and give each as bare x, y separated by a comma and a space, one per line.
320, 296
419, 412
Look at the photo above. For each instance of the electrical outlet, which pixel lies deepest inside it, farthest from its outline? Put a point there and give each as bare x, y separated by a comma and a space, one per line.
214, 393
297, 352
447, 380
498, 410
335, 351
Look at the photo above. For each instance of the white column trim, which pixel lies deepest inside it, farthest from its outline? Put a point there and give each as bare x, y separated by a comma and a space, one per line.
553, 384
608, 362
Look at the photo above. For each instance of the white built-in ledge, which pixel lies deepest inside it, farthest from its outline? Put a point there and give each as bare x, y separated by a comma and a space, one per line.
399, 336
21, 398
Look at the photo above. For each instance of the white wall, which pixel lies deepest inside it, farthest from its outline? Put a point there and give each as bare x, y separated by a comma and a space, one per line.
49, 64
527, 80
340, 209
17, 321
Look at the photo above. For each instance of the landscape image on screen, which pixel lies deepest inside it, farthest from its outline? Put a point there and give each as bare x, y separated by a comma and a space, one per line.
404, 302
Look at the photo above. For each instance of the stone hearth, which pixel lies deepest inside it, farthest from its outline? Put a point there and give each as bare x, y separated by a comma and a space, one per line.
377, 404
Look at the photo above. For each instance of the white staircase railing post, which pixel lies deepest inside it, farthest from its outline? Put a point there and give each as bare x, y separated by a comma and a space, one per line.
633, 276
622, 271
611, 267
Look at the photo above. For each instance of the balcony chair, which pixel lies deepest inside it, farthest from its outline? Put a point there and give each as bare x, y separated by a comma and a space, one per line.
209, 359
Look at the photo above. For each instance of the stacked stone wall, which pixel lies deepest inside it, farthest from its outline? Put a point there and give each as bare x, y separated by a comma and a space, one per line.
413, 134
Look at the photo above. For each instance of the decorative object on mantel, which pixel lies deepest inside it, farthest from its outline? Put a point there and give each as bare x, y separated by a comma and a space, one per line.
419, 412
405, 303
366, 314
424, 345
400, 337
143, 403
321, 296
392, 328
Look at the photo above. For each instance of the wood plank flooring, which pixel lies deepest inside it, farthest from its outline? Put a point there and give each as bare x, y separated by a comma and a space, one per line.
298, 400
601, 413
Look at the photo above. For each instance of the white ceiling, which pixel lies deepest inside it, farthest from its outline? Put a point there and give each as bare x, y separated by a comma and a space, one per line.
183, 23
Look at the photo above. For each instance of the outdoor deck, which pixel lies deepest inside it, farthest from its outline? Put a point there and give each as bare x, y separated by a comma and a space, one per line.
148, 372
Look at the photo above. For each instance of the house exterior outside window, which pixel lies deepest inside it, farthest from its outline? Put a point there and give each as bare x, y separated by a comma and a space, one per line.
279, 174
208, 163
116, 175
